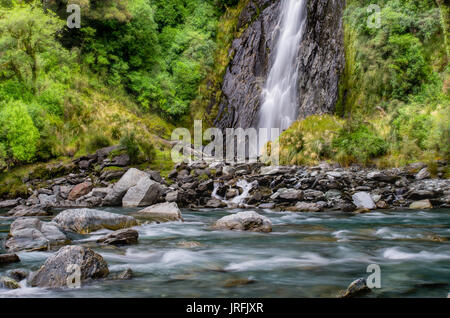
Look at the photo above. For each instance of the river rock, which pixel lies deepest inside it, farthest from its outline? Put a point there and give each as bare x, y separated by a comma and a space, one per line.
18, 274
79, 190
9, 283
9, 258
423, 174
33, 234
215, 203
57, 270
26, 211
145, 192
306, 207
120, 237
356, 288
421, 205
84, 221
162, 212
287, 195
128, 180
9, 204
244, 221
363, 200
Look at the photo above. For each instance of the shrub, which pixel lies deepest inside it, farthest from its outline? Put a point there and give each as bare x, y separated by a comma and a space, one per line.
358, 143
18, 132
97, 141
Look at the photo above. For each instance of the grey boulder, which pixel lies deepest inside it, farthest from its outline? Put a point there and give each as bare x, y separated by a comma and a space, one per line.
128, 180
59, 269
363, 200
244, 221
33, 234
120, 237
145, 192
162, 212
84, 221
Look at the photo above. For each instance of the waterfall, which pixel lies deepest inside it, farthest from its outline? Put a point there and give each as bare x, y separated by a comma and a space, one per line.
279, 97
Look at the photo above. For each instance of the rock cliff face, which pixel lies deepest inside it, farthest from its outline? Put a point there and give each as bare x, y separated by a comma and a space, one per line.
321, 55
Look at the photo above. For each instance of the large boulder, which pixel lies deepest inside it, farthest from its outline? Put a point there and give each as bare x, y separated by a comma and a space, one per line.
363, 200
59, 269
128, 180
145, 192
244, 221
84, 221
120, 237
33, 234
79, 190
163, 212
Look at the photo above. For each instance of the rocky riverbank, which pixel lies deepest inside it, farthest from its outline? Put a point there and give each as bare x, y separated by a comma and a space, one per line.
101, 181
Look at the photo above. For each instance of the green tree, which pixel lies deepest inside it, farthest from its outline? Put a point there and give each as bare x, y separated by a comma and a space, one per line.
26, 32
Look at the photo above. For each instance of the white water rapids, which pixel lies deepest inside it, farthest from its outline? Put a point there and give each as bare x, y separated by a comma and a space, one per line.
279, 98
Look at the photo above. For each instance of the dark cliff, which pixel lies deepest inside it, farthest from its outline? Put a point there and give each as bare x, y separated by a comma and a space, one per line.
321, 62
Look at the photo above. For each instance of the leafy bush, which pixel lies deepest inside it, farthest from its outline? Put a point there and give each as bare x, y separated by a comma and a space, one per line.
18, 132
358, 143
138, 150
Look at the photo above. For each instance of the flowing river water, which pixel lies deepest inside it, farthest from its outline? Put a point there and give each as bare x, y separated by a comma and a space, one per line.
306, 255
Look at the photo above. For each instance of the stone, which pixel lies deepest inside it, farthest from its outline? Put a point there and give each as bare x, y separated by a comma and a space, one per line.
26, 211
206, 186
18, 274
287, 195
47, 200
423, 174
238, 282
120, 237
162, 212
356, 288
228, 171
172, 196
145, 192
382, 176
101, 192
9, 204
128, 180
363, 200
215, 203
80, 190
231, 193
272, 170
32, 234
9, 258
333, 194
58, 270
9, 283
421, 205
84, 221
266, 206
120, 161
306, 207
125, 275
382, 205
244, 221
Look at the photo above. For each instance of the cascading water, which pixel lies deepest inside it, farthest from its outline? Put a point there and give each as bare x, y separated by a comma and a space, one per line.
279, 106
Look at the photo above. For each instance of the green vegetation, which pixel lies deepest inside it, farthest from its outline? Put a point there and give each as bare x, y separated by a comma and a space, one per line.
394, 94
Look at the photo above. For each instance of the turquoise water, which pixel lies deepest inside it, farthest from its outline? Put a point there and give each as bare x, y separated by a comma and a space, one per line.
306, 255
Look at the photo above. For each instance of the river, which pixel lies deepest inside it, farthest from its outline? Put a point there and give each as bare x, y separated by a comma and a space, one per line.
306, 255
